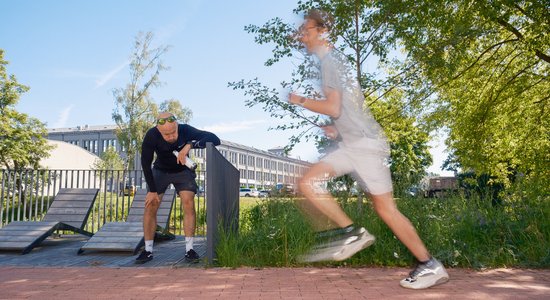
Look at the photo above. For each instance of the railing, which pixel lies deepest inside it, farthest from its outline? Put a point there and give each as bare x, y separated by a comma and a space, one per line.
222, 192
25, 195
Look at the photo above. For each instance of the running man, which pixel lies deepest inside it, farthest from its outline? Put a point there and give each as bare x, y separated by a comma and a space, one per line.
362, 151
163, 139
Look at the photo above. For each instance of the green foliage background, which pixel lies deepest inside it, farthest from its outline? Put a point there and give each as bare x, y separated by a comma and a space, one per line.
460, 232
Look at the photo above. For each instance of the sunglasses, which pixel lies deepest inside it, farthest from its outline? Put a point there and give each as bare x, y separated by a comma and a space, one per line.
162, 121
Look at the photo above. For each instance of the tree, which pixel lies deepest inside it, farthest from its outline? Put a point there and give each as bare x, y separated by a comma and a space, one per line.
485, 71
135, 110
359, 33
174, 106
22, 142
110, 160
410, 154
134, 105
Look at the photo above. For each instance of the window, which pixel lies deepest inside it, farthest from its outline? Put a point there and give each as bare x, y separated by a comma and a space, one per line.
242, 159
259, 162
251, 161
243, 173
250, 174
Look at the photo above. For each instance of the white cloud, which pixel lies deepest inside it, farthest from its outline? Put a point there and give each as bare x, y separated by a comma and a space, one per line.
234, 126
63, 117
103, 79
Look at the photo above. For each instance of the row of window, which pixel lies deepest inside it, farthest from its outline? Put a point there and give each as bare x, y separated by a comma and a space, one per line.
236, 158
93, 145
265, 176
259, 162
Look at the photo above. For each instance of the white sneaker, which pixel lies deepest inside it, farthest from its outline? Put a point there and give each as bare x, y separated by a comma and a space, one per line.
341, 248
426, 275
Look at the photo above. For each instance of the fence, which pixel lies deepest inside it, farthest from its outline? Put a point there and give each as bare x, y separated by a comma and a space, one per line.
26, 195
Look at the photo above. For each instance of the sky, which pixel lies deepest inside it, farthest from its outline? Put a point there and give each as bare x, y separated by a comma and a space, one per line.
73, 54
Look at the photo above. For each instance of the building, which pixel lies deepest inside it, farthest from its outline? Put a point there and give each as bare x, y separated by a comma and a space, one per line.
258, 168
68, 157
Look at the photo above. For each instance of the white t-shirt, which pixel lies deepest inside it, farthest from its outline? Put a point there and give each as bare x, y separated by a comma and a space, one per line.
354, 124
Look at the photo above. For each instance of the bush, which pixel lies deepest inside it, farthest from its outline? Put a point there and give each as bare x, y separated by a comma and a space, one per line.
461, 232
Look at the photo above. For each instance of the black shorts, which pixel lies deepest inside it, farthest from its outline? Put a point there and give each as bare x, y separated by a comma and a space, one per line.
182, 181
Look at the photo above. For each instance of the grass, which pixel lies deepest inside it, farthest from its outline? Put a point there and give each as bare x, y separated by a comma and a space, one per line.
460, 232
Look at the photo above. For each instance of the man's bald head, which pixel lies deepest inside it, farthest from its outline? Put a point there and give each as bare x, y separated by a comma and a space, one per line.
165, 114
168, 130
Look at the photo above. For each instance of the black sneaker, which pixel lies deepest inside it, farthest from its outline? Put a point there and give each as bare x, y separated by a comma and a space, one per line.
144, 257
191, 256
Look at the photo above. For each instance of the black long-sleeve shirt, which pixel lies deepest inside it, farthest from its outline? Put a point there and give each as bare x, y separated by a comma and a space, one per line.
153, 142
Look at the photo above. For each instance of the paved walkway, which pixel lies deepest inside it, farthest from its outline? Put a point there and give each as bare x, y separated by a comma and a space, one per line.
269, 283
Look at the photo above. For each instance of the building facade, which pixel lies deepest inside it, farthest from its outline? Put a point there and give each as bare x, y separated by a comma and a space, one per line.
258, 168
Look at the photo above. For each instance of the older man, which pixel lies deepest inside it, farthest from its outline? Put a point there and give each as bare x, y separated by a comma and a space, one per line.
163, 139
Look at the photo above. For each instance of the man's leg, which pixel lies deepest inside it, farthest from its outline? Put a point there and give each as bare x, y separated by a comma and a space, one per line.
149, 228
429, 271
188, 203
322, 209
385, 207
150, 220
341, 239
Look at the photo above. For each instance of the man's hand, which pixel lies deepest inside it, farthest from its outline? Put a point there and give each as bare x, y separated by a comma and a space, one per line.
330, 131
152, 199
182, 156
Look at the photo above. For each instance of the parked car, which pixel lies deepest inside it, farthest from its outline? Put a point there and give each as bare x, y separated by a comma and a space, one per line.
128, 190
264, 193
246, 192
200, 192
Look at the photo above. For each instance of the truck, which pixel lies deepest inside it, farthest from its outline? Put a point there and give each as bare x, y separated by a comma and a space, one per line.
440, 185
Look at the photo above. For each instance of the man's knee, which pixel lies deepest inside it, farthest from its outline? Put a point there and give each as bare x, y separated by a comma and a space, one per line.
151, 210
384, 205
187, 199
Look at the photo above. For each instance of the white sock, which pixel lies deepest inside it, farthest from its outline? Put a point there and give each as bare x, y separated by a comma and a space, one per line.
149, 246
188, 243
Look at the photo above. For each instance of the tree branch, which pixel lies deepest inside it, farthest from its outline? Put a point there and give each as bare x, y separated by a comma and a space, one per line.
518, 34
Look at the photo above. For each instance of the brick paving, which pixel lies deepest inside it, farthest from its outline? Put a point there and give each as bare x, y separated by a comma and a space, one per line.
269, 283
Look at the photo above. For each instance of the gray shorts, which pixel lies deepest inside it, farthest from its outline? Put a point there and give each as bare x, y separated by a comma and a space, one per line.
366, 161
182, 181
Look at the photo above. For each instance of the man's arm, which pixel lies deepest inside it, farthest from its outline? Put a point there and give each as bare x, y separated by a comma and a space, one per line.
198, 138
147, 152
331, 106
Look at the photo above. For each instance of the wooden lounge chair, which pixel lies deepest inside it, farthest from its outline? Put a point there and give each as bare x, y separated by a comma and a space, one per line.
69, 211
128, 236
